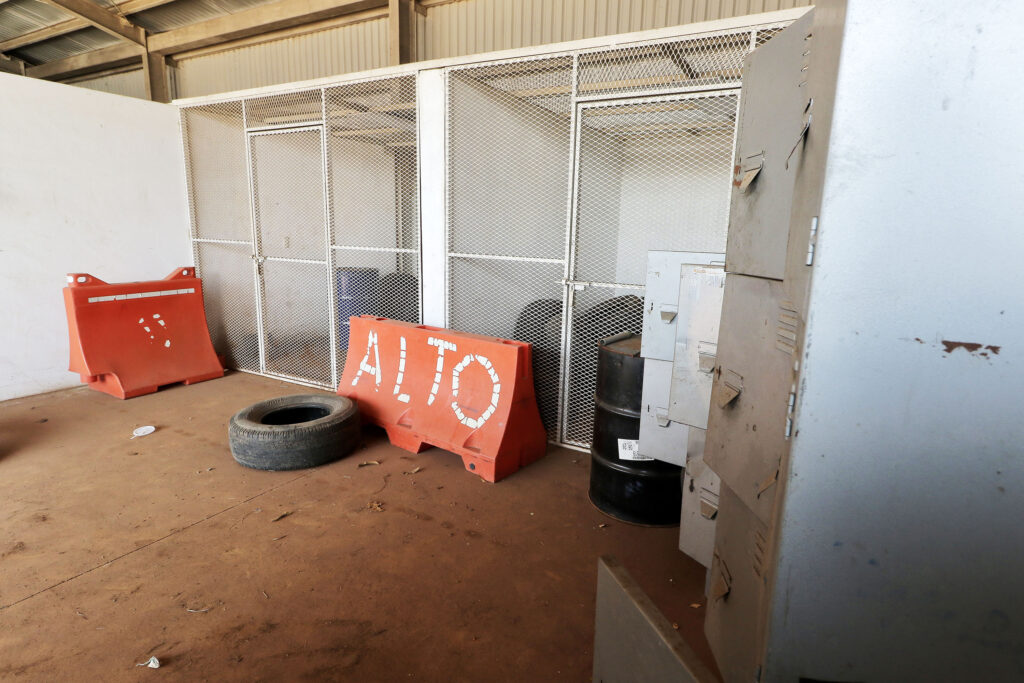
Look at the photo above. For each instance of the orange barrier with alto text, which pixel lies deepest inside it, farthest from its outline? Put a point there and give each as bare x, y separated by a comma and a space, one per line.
466, 393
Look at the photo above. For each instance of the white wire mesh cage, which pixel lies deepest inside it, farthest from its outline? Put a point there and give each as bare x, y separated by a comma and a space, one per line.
562, 170
304, 211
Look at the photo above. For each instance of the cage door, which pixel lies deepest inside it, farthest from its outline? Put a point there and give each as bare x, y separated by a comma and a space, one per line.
290, 209
650, 173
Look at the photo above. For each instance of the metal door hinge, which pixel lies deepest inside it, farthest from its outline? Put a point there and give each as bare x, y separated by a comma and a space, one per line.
789, 412
812, 240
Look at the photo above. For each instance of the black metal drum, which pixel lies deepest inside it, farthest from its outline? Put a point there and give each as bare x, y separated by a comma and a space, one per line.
645, 492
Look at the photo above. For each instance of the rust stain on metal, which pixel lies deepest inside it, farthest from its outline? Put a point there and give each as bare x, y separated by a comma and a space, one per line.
970, 347
952, 346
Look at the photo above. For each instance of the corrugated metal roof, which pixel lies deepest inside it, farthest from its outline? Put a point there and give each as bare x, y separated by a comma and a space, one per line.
18, 17
449, 30
184, 12
68, 45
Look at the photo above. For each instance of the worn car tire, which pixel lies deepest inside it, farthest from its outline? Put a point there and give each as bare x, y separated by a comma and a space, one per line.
294, 432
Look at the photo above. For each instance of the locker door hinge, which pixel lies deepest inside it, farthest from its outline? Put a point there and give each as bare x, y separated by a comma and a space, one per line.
789, 411
812, 240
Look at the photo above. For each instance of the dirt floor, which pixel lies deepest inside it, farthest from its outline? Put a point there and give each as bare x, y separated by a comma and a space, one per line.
113, 550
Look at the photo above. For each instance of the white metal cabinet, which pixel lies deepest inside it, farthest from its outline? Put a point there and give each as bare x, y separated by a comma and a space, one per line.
661, 299
684, 300
661, 437
899, 538
696, 346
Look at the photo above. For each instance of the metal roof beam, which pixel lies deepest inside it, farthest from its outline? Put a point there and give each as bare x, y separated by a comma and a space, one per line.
401, 31
12, 65
75, 24
278, 15
96, 60
103, 19
154, 72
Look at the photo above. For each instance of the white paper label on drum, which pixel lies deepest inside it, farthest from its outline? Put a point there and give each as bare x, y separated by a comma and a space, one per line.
629, 449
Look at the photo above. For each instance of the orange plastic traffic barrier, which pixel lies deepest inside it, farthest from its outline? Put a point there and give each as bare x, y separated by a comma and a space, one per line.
128, 339
466, 393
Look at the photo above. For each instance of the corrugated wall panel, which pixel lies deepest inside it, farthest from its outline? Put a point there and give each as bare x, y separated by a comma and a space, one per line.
129, 84
470, 26
356, 47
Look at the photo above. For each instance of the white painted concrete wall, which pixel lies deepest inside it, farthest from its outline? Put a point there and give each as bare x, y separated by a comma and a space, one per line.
89, 182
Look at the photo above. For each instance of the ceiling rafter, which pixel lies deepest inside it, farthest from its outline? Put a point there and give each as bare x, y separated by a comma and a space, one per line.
276, 15
74, 24
103, 19
95, 60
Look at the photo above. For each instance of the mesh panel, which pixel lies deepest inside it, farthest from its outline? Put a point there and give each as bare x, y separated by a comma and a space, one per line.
288, 184
377, 112
365, 259
597, 312
381, 283
766, 34
372, 156
296, 321
281, 110
287, 170
652, 175
218, 179
374, 201
508, 155
514, 300
696, 62
230, 301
